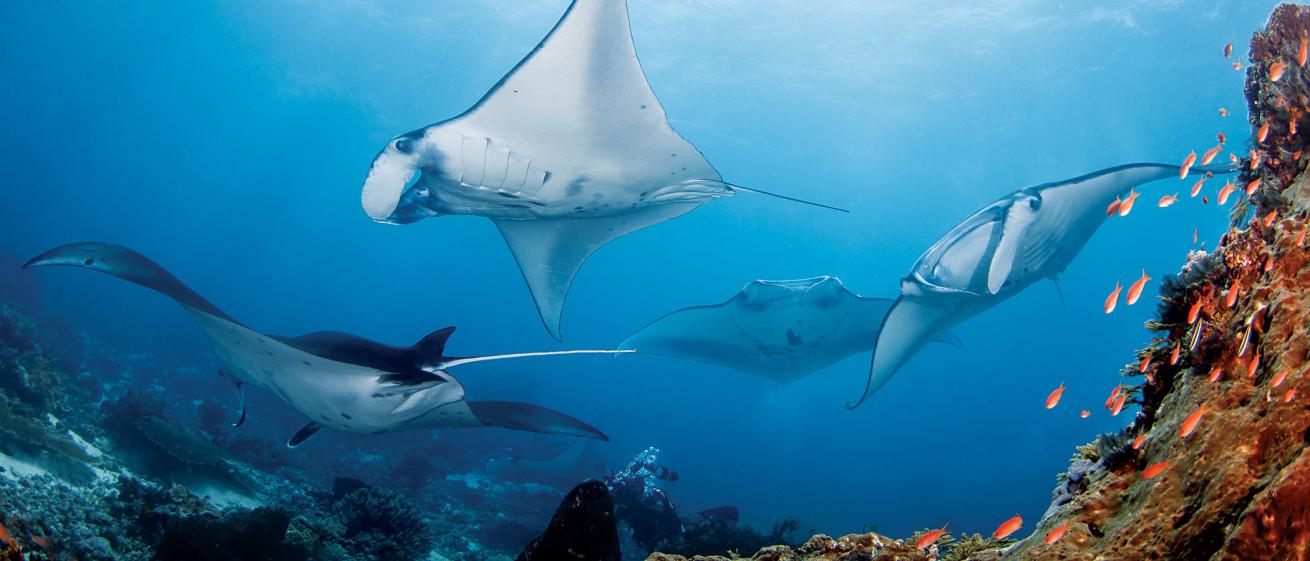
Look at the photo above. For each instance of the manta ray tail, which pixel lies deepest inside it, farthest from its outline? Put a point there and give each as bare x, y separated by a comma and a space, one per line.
736, 187
533, 418
128, 265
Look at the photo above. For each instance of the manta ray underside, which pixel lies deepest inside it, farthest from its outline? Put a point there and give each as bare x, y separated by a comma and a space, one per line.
338, 380
568, 152
1000, 250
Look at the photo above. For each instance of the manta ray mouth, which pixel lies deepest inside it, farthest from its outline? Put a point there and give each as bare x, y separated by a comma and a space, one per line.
391, 173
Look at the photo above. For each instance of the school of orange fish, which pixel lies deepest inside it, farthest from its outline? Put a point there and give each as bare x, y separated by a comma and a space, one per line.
1122, 206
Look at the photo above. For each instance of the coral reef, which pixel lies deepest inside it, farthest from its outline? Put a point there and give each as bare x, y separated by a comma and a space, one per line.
381, 523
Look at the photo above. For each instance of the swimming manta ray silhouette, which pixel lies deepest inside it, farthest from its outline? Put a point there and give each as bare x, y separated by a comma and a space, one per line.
338, 380
568, 152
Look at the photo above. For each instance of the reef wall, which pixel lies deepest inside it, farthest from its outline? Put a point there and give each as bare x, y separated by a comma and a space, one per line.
1223, 427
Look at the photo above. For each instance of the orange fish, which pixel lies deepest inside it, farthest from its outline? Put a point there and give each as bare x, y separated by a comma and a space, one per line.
1194, 311
1195, 232
1278, 378
1173, 357
1113, 300
1252, 186
1255, 159
1168, 200
1055, 535
1119, 404
1276, 71
1196, 188
1155, 469
41, 542
1223, 112
1146, 363
1187, 165
930, 537
1137, 442
7, 539
1253, 366
1237, 66
1300, 238
1008, 527
1232, 157
1216, 373
1269, 218
1300, 53
1222, 138
1224, 192
1189, 424
1230, 297
1114, 395
1289, 396
1269, 261
1127, 206
1054, 398
1135, 291
1114, 207
1263, 134
1210, 154
1205, 200
1291, 124
1228, 50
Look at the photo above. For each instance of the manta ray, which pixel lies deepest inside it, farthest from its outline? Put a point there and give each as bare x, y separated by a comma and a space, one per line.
338, 380
997, 252
568, 152
783, 330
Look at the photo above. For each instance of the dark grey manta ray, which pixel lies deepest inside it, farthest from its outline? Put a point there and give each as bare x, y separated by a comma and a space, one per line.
568, 152
1026, 236
783, 330
338, 380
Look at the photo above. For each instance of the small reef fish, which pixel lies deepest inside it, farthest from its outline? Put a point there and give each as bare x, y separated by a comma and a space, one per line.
1276, 71
1173, 356
1228, 50
1237, 66
1137, 442
1187, 165
1252, 186
1230, 297
1225, 192
1168, 200
1264, 133
1054, 399
1222, 138
1194, 311
1255, 159
1113, 300
1189, 424
1253, 366
1291, 124
1085, 414
1269, 261
1155, 469
1289, 396
1119, 404
930, 538
1135, 291
1196, 188
1008, 527
1269, 221
1146, 363
1057, 533
1223, 112
1114, 395
1127, 205
1278, 378
1301, 53
1196, 232
1210, 154
1114, 207
1216, 373
1300, 238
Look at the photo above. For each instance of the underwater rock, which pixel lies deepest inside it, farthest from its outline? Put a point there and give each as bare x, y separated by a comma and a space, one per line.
250, 535
582, 529
381, 523
852, 547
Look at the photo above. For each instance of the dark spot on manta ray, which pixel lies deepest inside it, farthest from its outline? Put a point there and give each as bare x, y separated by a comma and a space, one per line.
345, 416
89, 261
306, 363
325, 418
643, 106
545, 178
507, 195
270, 353
536, 203
577, 208
793, 339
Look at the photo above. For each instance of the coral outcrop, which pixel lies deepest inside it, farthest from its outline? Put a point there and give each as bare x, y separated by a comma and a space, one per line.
582, 529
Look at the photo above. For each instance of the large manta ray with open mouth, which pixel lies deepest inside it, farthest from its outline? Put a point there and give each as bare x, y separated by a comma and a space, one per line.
338, 380
995, 253
568, 152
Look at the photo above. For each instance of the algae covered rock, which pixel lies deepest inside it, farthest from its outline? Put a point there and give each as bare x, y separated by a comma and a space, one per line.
582, 529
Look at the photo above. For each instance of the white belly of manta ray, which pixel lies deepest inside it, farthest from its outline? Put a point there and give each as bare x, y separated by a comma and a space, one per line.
484, 176
333, 394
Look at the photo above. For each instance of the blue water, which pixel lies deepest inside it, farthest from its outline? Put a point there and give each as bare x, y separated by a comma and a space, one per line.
229, 141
